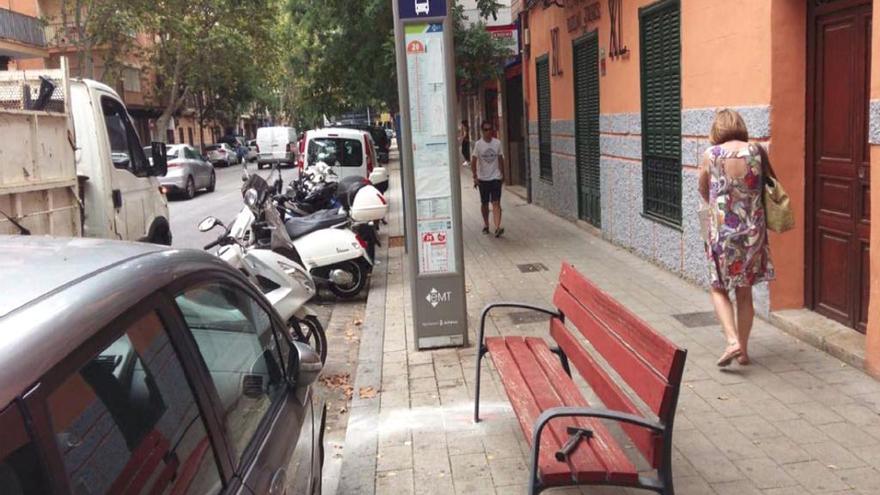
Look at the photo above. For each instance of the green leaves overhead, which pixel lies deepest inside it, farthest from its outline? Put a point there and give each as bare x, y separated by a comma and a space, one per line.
342, 55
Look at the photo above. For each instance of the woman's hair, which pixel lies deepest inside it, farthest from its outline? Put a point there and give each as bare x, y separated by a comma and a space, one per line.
728, 126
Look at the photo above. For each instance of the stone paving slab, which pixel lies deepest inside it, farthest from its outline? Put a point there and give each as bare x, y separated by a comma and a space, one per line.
798, 421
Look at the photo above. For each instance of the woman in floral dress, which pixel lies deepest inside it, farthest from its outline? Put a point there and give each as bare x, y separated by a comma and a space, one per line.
731, 182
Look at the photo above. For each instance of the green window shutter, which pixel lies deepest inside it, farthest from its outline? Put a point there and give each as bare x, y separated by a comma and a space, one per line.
660, 36
586, 90
542, 69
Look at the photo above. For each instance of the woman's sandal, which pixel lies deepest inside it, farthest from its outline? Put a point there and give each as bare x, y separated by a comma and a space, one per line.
729, 355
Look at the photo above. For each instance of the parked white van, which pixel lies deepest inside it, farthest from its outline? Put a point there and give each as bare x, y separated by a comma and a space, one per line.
276, 145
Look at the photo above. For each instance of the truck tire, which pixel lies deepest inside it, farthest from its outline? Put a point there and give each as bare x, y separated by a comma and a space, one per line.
160, 233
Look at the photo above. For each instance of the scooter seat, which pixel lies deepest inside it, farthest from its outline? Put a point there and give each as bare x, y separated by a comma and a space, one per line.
324, 219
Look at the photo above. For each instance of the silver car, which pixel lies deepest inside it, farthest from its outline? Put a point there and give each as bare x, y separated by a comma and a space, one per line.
135, 368
188, 172
221, 154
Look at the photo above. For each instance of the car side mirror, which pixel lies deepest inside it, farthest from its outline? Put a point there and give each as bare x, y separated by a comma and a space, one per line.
305, 365
160, 159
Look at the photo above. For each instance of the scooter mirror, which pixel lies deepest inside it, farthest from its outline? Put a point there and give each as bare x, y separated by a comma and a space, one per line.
208, 224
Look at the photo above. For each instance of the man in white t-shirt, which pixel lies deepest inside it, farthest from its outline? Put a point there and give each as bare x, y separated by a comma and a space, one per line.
487, 164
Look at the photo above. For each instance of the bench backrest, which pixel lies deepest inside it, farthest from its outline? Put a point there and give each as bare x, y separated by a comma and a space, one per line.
648, 362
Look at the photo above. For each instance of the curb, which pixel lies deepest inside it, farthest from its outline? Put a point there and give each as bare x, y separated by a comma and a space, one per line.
358, 472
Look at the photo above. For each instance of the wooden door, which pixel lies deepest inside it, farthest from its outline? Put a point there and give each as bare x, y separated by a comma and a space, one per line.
586, 91
838, 172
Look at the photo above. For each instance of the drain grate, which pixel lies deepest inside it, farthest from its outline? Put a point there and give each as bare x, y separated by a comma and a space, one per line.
396, 241
532, 267
524, 317
695, 320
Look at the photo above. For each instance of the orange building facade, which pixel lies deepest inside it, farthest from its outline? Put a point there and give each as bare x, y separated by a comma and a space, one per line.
620, 96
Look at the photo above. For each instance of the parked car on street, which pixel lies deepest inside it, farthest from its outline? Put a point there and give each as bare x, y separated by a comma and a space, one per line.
253, 151
347, 152
276, 145
136, 368
221, 154
188, 171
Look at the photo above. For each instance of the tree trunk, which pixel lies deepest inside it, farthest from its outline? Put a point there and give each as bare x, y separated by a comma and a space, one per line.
175, 99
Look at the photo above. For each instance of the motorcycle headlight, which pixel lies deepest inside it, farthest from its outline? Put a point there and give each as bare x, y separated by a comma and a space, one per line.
250, 197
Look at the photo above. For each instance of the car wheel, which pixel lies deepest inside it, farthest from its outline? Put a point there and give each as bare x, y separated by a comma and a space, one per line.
190, 189
213, 184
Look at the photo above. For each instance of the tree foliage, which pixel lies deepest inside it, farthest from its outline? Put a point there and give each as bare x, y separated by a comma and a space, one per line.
342, 55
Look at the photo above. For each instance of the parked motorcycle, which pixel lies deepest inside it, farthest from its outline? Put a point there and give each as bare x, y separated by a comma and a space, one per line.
286, 284
336, 256
317, 189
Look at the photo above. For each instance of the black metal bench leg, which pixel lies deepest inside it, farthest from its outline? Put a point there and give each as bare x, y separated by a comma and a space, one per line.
480, 353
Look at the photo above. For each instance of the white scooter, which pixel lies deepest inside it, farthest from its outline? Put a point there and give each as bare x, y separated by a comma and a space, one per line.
333, 255
286, 285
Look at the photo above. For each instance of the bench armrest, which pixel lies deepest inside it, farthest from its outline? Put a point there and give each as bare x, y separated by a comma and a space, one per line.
490, 307
583, 412
593, 412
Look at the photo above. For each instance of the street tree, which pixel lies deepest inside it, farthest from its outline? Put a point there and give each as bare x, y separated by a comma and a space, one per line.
342, 55
208, 49
100, 33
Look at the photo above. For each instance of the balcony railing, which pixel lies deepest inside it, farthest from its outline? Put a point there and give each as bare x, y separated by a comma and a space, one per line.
22, 28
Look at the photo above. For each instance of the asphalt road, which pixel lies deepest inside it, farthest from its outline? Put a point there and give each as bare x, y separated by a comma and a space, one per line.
224, 203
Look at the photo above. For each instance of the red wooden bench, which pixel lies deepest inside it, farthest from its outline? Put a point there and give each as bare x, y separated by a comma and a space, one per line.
569, 443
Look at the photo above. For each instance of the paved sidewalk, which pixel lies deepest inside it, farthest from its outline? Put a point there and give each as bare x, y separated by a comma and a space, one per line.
797, 421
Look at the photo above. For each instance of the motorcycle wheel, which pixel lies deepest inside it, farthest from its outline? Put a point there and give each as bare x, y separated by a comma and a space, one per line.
310, 331
359, 279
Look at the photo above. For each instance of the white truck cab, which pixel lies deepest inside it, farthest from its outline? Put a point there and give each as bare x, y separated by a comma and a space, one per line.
73, 164
121, 195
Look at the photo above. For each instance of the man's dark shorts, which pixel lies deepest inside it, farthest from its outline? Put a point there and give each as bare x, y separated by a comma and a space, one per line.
490, 191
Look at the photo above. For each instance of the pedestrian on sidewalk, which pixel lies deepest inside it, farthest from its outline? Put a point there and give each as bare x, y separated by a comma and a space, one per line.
464, 135
487, 165
731, 182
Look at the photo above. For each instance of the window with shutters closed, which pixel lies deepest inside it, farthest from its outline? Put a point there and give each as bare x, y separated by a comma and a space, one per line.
542, 69
586, 96
660, 45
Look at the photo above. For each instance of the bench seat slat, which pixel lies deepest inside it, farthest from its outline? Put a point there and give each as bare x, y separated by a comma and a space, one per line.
527, 411
618, 465
655, 349
583, 462
643, 379
603, 385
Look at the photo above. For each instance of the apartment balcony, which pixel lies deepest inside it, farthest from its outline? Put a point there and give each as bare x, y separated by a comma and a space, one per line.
21, 36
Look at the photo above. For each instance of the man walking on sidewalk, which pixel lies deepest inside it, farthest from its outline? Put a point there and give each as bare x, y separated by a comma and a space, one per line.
487, 165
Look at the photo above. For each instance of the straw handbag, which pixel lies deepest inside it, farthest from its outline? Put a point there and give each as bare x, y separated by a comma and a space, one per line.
777, 205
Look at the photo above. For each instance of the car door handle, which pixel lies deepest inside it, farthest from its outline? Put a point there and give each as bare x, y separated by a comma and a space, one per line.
117, 199
279, 482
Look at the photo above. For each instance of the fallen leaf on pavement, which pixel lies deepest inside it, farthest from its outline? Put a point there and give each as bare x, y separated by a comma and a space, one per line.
358, 322
367, 392
723, 397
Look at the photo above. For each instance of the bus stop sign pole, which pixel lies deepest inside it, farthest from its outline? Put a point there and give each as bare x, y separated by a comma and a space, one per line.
431, 180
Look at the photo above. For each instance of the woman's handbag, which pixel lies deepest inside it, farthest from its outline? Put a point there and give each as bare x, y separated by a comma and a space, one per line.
777, 205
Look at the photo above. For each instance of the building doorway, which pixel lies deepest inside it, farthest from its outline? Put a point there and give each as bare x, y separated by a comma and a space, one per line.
838, 160
515, 130
586, 106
